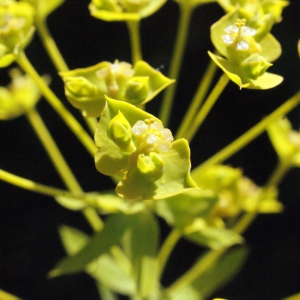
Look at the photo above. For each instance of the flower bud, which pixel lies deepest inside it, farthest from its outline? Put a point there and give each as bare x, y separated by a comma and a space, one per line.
137, 89
255, 66
274, 7
263, 25
151, 165
118, 131
84, 95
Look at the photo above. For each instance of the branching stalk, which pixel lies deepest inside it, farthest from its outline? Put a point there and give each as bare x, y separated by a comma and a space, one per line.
207, 106
197, 100
250, 135
51, 46
186, 10
68, 118
134, 34
61, 165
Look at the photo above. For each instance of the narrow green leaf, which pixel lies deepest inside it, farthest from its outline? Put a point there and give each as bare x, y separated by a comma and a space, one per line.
99, 243
71, 203
215, 238
106, 270
225, 270
220, 274
72, 239
181, 210
141, 245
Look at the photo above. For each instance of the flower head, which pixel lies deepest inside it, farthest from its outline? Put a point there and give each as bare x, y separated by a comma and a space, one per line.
16, 29
135, 146
286, 141
254, 8
86, 88
124, 10
248, 49
21, 95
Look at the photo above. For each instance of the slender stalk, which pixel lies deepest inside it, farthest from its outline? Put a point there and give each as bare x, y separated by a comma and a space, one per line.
34, 186
52, 150
186, 9
68, 118
167, 248
200, 267
250, 135
6, 296
274, 180
198, 99
212, 256
278, 174
51, 46
133, 27
92, 124
58, 60
61, 165
207, 106
105, 293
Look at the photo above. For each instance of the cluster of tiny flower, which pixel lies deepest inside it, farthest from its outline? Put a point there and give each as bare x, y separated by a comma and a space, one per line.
151, 136
238, 34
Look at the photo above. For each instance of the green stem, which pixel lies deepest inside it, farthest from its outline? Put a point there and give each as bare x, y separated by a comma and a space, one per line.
167, 248
278, 174
51, 148
51, 46
34, 186
105, 293
92, 124
274, 180
186, 9
248, 136
61, 165
68, 118
211, 257
58, 60
200, 267
133, 27
197, 100
207, 106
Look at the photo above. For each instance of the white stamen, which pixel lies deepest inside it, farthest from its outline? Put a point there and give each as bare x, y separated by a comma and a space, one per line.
163, 146
151, 139
242, 45
139, 128
167, 135
227, 39
248, 31
231, 29
156, 126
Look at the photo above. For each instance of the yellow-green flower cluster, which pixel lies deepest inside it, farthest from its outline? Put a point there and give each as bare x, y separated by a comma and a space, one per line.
86, 88
20, 96
135, 146
16, 29
247, 48
124, 10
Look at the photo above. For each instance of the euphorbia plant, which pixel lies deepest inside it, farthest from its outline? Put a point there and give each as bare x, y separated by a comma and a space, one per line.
153, 177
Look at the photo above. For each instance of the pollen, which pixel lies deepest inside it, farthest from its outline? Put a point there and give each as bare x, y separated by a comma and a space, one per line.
152, 136
235, 35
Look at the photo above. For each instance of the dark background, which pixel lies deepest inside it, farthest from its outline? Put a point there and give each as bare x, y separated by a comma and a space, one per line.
29, 242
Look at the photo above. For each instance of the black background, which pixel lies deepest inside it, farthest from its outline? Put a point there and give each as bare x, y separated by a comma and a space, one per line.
29, 242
